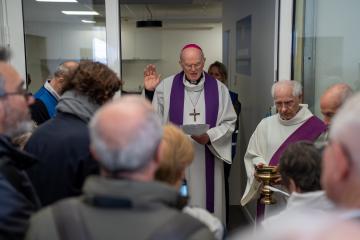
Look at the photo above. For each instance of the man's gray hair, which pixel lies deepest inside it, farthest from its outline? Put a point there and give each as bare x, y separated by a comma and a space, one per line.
345, 127
63, 70
139, 150
296, 87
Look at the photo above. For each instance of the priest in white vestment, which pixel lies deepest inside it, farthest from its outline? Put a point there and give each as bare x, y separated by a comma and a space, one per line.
292, 123
194, 97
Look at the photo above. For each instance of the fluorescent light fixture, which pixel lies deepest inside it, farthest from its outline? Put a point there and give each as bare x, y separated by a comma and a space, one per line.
88, 21
56, 0
80, 13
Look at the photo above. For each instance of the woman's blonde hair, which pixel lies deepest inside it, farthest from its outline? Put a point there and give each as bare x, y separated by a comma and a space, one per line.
177, 154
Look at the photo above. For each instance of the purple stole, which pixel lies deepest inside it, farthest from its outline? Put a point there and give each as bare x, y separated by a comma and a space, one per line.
176, 116
310, 131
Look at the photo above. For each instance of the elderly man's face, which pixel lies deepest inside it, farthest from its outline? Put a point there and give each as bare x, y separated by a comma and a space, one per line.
286, 104
192, 63
328, 107
14, 103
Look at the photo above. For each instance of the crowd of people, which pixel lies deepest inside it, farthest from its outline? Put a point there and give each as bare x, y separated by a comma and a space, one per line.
77, 164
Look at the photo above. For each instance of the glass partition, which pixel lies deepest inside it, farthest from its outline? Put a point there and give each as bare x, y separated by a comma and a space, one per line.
327, 49
60, 31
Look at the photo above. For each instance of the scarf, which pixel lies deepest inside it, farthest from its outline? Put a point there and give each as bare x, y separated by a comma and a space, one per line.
77, 104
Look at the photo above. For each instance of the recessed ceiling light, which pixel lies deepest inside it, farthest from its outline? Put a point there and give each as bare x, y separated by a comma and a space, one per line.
88, 21
56, 0
80, 12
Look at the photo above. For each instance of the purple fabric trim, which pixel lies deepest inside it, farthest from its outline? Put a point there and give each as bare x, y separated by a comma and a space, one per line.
176, 116
176, 108
310, 131
212, 108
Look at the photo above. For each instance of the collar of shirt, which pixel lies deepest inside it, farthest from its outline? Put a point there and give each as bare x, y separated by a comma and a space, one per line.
48, 87
192, 87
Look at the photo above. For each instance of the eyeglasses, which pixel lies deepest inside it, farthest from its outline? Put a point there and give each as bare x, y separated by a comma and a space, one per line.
189, 67
21, 92
287, 104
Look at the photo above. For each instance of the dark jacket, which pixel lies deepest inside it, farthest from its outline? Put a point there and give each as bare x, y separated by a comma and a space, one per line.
147, 207
18, 199
62, 147
39, 112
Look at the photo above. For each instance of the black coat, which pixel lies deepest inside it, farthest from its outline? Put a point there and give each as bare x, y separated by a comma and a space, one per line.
18, 199
62, 147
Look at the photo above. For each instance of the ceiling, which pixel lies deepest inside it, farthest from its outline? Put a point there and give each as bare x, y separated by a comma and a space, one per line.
180, 11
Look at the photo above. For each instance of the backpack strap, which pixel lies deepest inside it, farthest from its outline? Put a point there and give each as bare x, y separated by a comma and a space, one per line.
179, 227
69, 221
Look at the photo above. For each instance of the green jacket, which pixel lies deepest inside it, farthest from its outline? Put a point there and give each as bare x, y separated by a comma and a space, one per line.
153, 204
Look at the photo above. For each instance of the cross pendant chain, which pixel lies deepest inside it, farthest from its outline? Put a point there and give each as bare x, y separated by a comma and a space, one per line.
194, 114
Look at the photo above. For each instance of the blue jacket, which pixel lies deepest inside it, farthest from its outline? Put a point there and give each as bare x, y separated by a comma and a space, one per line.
48, 99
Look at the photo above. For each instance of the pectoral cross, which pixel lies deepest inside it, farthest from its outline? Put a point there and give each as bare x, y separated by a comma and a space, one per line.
194, 114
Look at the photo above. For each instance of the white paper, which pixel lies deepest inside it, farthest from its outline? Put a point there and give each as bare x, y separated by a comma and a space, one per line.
195, 129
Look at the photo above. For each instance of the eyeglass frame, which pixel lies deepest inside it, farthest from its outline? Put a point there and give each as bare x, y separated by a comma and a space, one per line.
21, 91
189, 67
288, 104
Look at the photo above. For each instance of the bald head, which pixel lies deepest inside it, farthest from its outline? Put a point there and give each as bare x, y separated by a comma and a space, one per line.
11, 79
125, 134
62, 75
332, 99
118, 120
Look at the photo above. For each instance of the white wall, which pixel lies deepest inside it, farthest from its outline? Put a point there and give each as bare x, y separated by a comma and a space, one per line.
65, 40
337, 45
168, 43
254, 90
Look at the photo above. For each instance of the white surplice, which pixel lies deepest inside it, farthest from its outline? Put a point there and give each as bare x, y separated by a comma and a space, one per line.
220, 137
268, 136
315, 202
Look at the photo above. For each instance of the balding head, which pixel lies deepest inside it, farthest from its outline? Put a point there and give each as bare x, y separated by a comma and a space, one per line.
63, 73
125, 134
332, 99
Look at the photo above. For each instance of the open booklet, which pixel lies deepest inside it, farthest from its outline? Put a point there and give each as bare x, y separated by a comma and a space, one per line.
195, 129
199, 129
